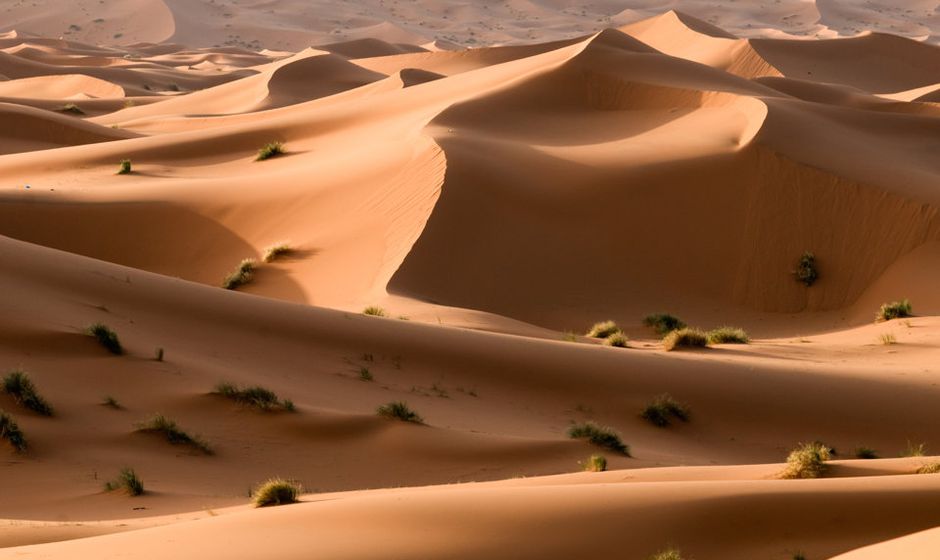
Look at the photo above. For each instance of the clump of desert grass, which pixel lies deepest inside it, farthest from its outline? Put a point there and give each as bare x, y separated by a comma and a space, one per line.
663, 323
887, 339
276, 492
111, 402
11, 432
106, 337
915, 449
894, 310
270, 150
241, 275
929, 468
667, 554
863, 452
806, 271
256, 397
617, 340
128, 481
685, 338
399, 410
374, 311
71, 108
125, 167
18, 385
728, 335
601, 436
595, 463
808, 460
163, 426
276, 251
365, 374
662, 410
603, 329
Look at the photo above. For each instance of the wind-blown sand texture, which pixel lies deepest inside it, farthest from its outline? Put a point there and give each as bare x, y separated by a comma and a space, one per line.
488, 200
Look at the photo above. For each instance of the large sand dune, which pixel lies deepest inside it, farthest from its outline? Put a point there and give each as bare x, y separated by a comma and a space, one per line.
489, 199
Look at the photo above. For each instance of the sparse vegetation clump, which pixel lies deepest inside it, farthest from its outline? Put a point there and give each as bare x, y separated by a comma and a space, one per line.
277, 251
806, 269
596, 463
270, 150
929, 468
276, 492
915, 449
601, 436
617, 340
663, 323
399, 410
808, 460
71, 108
106, 337
603, 330
863, 452
365, 374
685, 338
667, 554
125, 167
241, 276
728, 335
257, 397
887, 339
161, 425
127, 481
10, 431
111, 402
18, 385
894, 310
374, 311
663, 409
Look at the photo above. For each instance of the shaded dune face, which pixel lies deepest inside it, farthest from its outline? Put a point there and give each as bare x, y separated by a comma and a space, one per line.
487, 206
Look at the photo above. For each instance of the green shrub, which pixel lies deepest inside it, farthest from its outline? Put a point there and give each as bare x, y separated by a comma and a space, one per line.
929, 468
667, 554
863, 452
276, 492
257, 397
125, 167
894, 310
270, 150
18, 385
276, 251
399, 411
685, 338
663, 323
663, 409
374, 311
365, 374
806, 269
596, 463
808, 460
617, 340
241, 276
106, 337
601, 436
71, 108
728, 335
127, 481
11, 432
161, 425
603, 330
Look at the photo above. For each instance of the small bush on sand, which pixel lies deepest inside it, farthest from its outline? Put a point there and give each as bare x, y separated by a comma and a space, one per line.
894, 310
663, 409
128, 481
601, 436
603, 330
71, 108
18, 385
106, 337
685, 338
125, 167
929, 468
399, 410
663, 323
276, 251
11, 432
617, 340
915, 449
161, 425
257, 397
806, 269
241, 275
667, 554
276, 492
728, 335
863, 452
270, 150
374, 311
808, 460
596, 463
887, 339
111, 402
365, 374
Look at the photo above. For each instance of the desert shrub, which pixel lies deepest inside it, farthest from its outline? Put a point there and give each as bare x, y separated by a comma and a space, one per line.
887, 339
161, 425
808, 460
10, 431
18, 385
685, 338
270, 150
399, 410
276, 492
618, 340
365, 374
127, 481
663, 323
111, 402
106, 337
71, 108
257, 397
728, 335
374, 311
596, 463
915, 449
929, 468
863, 452
601, 436
806, 269
125, 167
276, 251
241, 275
894, 310
667, 554
603, 330
663, 409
